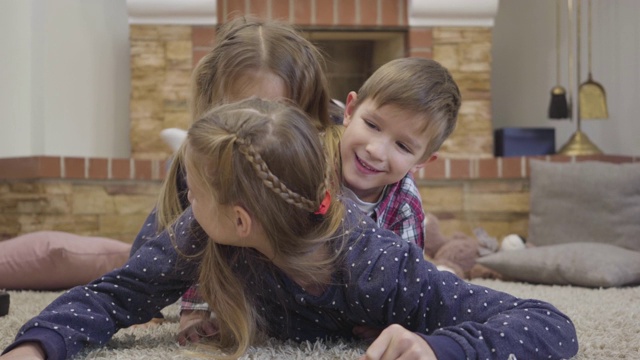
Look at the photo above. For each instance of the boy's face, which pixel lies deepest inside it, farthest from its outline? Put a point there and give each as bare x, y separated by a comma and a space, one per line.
380, 145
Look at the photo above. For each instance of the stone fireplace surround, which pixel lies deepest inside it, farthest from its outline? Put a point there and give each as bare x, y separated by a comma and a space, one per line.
168, 38
465, 188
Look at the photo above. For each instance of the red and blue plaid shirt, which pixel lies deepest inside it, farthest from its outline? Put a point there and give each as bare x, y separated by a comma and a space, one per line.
401, 211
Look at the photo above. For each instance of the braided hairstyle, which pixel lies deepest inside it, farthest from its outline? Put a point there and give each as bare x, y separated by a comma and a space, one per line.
243, 46
268, 158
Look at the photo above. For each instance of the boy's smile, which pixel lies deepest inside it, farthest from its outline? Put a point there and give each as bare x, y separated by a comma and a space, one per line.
365, 168
380, 145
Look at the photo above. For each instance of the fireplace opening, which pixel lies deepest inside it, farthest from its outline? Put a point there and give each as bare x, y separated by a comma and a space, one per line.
352, 56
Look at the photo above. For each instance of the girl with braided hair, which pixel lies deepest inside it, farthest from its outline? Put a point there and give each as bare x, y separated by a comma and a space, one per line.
250, 57
278, 254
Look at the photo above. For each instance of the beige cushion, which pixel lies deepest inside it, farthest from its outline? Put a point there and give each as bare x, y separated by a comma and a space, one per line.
580, 264
49, 260
585, 201
585, 224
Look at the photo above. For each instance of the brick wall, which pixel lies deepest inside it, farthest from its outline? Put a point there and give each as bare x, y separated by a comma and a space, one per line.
112, 197
86, 196
162, 58
161, 63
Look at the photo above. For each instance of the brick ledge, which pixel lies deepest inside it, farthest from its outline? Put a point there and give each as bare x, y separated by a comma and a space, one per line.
59, 167
517, 167
54, 167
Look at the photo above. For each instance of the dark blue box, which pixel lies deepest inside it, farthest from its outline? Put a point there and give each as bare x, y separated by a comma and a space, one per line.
524, 141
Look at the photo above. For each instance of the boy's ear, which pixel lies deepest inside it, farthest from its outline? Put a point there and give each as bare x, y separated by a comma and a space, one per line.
419, 166
349, 109
243, 221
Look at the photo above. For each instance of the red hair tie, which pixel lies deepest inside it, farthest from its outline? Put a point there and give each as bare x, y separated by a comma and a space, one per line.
324, 205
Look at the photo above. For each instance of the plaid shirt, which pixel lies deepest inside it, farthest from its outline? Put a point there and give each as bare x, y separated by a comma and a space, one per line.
400, 211
191, 300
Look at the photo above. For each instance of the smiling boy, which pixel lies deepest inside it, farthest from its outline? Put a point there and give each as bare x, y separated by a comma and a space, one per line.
394, 125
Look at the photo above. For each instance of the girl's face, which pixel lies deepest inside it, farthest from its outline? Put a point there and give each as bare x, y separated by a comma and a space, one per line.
215, 219
259, 83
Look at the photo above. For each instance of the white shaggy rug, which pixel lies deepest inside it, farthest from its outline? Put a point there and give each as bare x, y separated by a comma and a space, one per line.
607, 322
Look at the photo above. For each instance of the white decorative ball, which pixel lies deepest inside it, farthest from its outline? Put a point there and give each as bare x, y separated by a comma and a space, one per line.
512, 242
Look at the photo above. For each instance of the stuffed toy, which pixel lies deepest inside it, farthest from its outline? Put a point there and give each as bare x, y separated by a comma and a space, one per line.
458, 253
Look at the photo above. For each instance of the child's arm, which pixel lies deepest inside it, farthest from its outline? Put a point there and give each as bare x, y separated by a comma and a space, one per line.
89, 315
454, 316
26, 351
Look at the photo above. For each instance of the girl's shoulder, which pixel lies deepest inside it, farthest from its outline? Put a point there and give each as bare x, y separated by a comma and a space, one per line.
378, 263
367, 241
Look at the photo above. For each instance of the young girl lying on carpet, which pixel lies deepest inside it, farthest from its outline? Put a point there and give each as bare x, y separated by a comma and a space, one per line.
277, 254
251, 57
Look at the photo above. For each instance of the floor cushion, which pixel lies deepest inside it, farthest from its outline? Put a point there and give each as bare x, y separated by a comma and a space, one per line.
49, 260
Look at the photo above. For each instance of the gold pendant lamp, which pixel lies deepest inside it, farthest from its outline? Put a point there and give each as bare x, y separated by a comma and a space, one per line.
579, 143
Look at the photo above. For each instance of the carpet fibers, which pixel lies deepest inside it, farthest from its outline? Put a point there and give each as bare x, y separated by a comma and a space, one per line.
607, 322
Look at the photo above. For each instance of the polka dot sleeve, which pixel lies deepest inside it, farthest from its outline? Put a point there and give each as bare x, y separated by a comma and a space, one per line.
395, 285
154, 277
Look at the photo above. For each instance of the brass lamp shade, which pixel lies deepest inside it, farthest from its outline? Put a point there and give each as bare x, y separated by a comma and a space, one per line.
592, 100
579, 144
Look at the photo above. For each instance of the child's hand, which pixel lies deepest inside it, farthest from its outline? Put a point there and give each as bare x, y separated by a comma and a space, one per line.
26, 351
397, 342
196, 325
365, 332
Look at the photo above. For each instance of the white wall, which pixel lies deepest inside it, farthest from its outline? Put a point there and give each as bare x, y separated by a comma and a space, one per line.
64, 78
523, 71
15, 78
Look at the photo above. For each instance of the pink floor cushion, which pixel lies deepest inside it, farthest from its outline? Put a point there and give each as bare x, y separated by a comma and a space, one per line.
51, 260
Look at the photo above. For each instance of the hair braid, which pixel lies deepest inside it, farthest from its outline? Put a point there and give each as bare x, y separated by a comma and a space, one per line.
326, 184
270, 180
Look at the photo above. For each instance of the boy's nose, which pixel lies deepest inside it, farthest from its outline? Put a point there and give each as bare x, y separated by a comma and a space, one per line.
377, 149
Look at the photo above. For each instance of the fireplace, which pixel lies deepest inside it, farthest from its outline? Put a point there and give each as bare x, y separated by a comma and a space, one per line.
352, 56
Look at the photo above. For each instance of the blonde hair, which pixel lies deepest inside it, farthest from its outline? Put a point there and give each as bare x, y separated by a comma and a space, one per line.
237, 151
243, 45
419, 85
